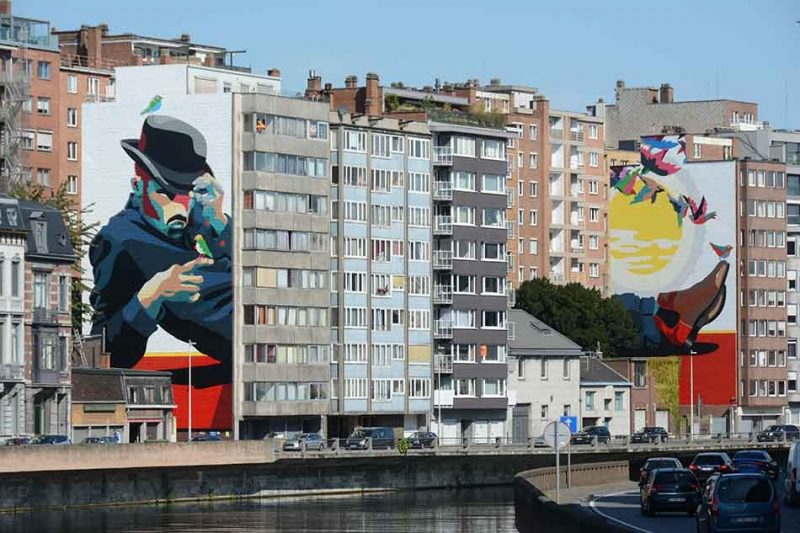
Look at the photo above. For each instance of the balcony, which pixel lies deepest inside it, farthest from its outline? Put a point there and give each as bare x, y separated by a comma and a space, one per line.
442, 155
443, 363
442, 329
575, 163
510, 262
577, 249
45, 316
512, 300
443, 398
442, 225
442, 190
576, 135
510, 230
557, 135
442, 294
12, 372
442, 260
50, 377
557, 278
576, 191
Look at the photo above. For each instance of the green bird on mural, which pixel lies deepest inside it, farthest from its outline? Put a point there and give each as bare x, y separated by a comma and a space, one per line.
201, 247
153, 106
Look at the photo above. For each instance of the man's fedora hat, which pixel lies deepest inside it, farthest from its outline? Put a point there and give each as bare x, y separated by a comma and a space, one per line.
172, 151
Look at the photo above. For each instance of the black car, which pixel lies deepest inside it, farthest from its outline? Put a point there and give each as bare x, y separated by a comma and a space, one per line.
211, 437
53, 440
756, 461
382, 438
587, 434
422, 439
707, 464
655, 463
651, 434
670, 489
779, 432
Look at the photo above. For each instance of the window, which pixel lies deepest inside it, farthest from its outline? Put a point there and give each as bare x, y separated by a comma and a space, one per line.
419, 148
16, 278
355, 141
41, 290
494, 149
44, 141
420, 388
43, 70
494, 387
589, 401
381, 390
63, 293
419, 251
494, 251
464, 146
533, 160
594, 270
93, 86
43, 176
26, 139
640, 374
594, 159
43, 106
494, 285
594, 214
520, 158
494, 184
494, 319
593, 131
533, 218
380, 145
72, 151
593, 188
419, 319
565, 370
463, 181
698, 151
543, 368
417, 181
464, 215
534, 189
533, 132
355, 388
72, 84
494, 217
464, 387
619, 401
545, 412
533, 247
594, 242
72, 117
463, 318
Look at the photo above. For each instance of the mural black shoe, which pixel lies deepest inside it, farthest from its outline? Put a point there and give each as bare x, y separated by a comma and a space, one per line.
682, 314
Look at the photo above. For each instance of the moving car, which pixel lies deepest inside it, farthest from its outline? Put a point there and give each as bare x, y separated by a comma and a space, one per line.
651, 434
382, 438
99, 440
670, 489
792, 480
585, 436
422, 439
312, 441
654, 463
758, 461
779, 432
20, 441
732, 502
707, 464
53, 439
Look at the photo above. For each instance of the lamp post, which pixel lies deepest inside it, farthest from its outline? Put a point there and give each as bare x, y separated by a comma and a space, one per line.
692, 353
191, 347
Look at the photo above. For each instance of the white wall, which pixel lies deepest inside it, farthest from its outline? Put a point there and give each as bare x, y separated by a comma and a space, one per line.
178, 79
619, 423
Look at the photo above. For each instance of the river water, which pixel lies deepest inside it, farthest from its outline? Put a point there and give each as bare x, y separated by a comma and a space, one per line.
442, 511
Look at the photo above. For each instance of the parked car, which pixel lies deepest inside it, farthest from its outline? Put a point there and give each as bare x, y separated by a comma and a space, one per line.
758, 461
670, 489
20, 441
211, 437
651, 434
312, 441
382, 438
792, 480
585, 436
707, 464
731, 502
53, 439
99, 440
778, 432
422, 439
654, 463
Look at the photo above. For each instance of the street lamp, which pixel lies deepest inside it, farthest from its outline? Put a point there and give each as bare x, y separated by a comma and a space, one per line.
692, 353
191, 347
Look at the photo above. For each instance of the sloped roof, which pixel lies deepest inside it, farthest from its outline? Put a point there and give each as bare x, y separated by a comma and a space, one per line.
532, 337
57, 245
595, 371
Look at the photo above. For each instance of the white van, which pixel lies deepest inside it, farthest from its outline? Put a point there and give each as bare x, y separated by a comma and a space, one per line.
792, 475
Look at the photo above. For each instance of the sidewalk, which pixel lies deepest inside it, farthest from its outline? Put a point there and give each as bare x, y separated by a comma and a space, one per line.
582, 495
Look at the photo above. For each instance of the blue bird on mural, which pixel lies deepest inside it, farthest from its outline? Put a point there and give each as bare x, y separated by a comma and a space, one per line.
661, 143
681, 207
153, 106
722, 251
649, 191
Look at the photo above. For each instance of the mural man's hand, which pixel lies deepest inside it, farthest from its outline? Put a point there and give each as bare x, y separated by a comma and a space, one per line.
209, 194
179, 283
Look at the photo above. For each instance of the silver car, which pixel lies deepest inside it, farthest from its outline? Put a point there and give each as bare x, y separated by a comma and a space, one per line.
312, 441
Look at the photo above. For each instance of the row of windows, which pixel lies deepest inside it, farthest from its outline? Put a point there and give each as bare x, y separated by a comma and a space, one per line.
291, 241
766, 268
533, 272
763, 298
382, 145
285, 202
382, 353
763, 328
357, 388
282, 315
763, 208
462, 180
292, 165
490, 251
383, 180
43, 178
381, 284
619, 401
466, 318
382, 215
491, 217
382, 250
767, 387
765, 238
267, 391
382, 319
466, 284
286, 126
283, 278
468, 387
762, 178
764, 358
288, 354
467, 147
466, 353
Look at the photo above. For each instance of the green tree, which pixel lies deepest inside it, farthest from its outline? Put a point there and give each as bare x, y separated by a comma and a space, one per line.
580, 313
80, 235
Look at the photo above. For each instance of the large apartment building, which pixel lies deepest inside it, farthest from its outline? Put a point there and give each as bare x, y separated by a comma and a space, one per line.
381, 275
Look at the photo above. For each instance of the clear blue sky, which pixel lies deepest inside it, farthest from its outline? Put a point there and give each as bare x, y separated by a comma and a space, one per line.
572, 50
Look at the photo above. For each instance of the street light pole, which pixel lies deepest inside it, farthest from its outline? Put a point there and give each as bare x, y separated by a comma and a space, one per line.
191, 346
692, 353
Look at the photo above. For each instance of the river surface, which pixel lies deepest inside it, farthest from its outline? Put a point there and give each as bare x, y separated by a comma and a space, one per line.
445, 511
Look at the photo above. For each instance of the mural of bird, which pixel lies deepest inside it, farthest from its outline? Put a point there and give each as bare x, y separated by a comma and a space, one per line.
624, 179
654, 162
722, 251
201, 247
649, 191
700, 214
153, 106
681, 207
661, 142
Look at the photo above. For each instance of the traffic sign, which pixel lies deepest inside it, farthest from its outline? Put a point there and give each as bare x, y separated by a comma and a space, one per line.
556, 432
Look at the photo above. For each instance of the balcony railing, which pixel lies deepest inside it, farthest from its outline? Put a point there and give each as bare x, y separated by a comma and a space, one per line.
510, 262
443, 398
50, 377
442, 190
575, 191
45, 316
442, 155
556, 134
442, 225
443, 363
577, 250
442, 294
12, 372
442, 260
575, 135
442, 329
510, 230
575, 163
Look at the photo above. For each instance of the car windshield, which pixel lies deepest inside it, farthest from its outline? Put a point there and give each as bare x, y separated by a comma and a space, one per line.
745, 490
706, 460
752, 456
660, 463
774, 428
684, 480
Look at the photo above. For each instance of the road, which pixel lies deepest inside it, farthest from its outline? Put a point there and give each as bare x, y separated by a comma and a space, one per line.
623, 509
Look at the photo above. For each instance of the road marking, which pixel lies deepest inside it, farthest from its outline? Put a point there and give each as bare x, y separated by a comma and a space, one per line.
609, 517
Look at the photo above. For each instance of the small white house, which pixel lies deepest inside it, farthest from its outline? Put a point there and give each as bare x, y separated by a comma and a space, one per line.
605, 397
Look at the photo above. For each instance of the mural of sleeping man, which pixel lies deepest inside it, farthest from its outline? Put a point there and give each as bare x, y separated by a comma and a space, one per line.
672, 232
164, 260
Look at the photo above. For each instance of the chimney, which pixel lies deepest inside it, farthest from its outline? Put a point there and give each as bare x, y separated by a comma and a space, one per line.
5, 7
313, 84
373, 102
103, 28
494, 81
351, 81
620, 85
666, 93
274, 72
91, 45
185, 38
